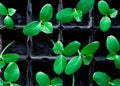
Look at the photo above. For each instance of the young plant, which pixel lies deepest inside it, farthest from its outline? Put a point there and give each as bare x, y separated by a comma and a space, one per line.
67, 15
102, 79
43, 25
75, 63
11, 75
8, 13
113, 47
44, 80
108, 13
7, 58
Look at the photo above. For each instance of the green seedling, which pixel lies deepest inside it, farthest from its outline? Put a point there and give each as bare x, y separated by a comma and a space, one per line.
86, 55
67, 15
102, 79
107, 13
8, 13
7, 58
113, 47
44, 80
11, 75
43, 25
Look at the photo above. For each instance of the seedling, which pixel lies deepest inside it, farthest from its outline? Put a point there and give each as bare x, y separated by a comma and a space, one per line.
43, 25
102, 79
67, 15
75, 63
113, 47
108, 13
7, 58
8, 13
11, 75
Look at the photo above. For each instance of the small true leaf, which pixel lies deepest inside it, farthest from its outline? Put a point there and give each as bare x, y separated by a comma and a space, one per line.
32, 29
78, 15
73, 65
8, 22
71, 48
12, 72
117, 62
113, 13
1, 82
47, 27
116, 82
14, 84
101, 78
65, 15
3, 9
2, 64
103, 7
46, 12
11, 11
87, 59
85, 7
105, 24
90, 48
58, 47
56, 82
112, 56
112, 44
42, 79
60, 64
10, 57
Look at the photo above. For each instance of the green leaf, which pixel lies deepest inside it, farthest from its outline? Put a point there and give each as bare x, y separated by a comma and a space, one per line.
112, 56
3, 9
8, 22
85, 5
2, 64
56, 82
103, 7
78, 15
46, 12
113, 13
117, 62
12, 72
73, 65
71, 48
105, 24
112, 44
10, 57
116, 82
58, 47
11, 11
1, 82
42, 79
32, 28
87, 59
90, 48
101, 78
60, 64
47, 27
14, 84
65, 15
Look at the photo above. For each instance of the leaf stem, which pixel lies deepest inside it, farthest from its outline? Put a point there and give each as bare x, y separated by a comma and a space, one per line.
7, 47
73, 80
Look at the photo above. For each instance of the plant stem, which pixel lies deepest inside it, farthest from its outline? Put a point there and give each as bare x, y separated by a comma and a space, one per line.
73, 80
6, 47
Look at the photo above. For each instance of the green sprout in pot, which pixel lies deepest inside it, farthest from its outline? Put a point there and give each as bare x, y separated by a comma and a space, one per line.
11, 75
8, 13
108, 13
102, 79
113, 47
75, 62
67, 15
43, 25
7, 58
